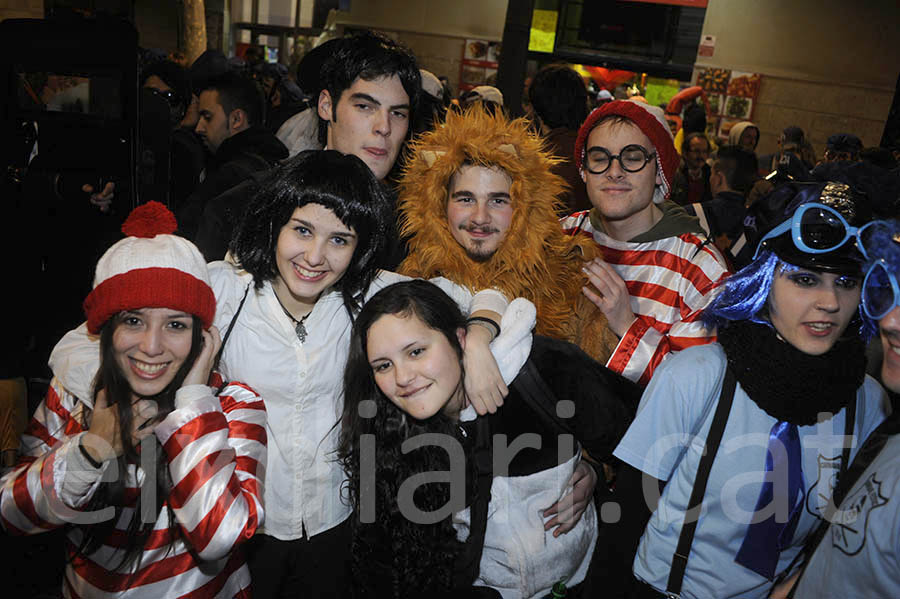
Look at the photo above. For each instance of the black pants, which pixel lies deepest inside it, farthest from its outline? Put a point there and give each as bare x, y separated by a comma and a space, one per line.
317, 567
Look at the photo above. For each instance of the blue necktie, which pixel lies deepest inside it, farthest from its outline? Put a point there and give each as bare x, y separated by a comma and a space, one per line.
765, 539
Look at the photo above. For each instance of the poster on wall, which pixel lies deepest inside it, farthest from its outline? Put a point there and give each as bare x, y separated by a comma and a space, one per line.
479, 64
732, 98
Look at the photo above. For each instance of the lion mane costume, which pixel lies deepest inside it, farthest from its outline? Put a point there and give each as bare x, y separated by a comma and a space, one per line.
536, 260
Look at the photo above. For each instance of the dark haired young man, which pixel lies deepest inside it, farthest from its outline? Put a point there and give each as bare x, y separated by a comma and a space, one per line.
370, 86
231, 119
559, 99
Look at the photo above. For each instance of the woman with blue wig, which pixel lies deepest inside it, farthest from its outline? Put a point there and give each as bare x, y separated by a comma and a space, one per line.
742, 441
855, 552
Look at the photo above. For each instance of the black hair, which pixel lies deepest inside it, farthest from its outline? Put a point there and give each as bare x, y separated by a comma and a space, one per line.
881, 157
368, 56
393, 555
739, 166
686, 142
430, 112
173, 75
339, 182
694, 119
559, 97
238, 91
112, 381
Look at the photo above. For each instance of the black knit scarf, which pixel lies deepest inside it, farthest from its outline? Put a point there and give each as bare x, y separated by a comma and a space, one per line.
786, 383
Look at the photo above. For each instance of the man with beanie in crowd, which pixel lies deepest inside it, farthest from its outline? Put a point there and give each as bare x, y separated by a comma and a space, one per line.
658, 267
744, 134
558, 97
231, 127
843, 146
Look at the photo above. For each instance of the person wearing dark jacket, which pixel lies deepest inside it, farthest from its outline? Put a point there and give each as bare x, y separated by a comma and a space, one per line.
733, 174
559, 98
231, 117
691, 184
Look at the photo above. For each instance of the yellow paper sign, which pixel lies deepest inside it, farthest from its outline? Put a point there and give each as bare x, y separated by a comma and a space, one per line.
543, 30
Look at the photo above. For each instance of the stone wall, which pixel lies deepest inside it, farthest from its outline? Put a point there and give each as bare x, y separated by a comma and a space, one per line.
22, 9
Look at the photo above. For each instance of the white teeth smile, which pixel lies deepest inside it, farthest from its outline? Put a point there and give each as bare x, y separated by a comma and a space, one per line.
307, 273
819, 326
148, 368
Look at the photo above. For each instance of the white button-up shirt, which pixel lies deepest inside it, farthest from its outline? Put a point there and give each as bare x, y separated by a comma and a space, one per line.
301, 386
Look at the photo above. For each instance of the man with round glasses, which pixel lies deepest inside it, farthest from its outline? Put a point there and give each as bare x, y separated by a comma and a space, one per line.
658, 265
854, 554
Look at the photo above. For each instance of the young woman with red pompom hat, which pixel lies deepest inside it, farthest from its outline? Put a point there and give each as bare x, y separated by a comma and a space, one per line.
155, 475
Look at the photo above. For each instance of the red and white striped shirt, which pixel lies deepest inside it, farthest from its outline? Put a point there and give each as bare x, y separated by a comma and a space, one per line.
216, 453
669, 280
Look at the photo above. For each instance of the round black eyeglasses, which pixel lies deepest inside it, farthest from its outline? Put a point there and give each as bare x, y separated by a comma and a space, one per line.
632, 158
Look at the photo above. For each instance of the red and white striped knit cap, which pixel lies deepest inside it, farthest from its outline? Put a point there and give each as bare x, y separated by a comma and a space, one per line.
651, 120
151, 268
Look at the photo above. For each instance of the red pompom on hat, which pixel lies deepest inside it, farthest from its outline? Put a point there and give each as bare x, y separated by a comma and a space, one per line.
151, 268
651, 121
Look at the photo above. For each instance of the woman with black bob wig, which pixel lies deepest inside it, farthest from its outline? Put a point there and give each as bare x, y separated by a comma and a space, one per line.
122, 455
487, 527
751, 427
337, 183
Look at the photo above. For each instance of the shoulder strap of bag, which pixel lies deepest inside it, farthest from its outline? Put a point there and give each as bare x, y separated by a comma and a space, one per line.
228, 331
692, 515
469, 562
540, 397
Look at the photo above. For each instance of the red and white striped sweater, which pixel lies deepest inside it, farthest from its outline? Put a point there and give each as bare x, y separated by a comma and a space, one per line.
216, 452
669, 280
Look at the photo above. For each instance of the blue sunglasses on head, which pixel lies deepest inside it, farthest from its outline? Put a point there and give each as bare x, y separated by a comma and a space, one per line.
816, 228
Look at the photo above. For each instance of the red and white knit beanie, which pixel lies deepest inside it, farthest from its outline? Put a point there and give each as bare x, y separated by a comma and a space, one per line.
651, 120
151, 268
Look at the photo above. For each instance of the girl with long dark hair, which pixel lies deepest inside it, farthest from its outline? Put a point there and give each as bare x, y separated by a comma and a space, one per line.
403, 385
157, 479
746, 437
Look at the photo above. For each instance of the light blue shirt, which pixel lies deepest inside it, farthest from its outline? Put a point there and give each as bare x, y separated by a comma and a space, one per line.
860, 554
666, 441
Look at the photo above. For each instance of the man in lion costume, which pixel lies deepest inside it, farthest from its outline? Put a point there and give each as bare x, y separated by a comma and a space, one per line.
478, 206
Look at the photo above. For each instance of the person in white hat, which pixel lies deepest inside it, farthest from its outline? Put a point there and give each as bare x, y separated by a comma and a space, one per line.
156, 476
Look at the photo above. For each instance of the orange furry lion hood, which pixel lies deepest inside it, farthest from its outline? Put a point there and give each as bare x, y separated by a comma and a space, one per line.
536, 259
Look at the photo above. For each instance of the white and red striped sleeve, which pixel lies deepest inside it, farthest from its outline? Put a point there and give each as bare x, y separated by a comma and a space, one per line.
216, 448
669, 289
52, 480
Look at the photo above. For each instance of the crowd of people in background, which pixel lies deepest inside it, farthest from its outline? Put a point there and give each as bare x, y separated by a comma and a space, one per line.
385, 342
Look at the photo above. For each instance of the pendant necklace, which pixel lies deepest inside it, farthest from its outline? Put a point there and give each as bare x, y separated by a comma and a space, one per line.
299, 326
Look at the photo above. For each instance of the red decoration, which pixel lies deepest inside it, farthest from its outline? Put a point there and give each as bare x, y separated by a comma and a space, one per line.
149, 220
609, 79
